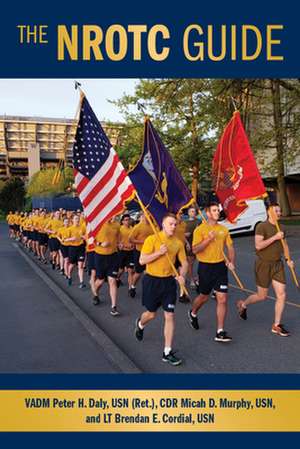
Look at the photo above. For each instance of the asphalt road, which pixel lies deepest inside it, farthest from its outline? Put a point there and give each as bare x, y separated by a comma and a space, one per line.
38, 334
29, 304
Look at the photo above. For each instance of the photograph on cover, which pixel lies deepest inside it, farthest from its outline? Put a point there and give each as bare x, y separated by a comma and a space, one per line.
150, 225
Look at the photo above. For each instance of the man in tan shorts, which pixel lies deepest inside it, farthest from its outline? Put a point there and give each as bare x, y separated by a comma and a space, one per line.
269, 269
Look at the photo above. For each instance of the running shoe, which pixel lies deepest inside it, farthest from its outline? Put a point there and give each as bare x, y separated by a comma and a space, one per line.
69, 281
82, 285
96, 300
280, 330
193, 320
171, 359
114, 311
222, 337
242, 311
184, 299
132, 292
193, 285
138, 332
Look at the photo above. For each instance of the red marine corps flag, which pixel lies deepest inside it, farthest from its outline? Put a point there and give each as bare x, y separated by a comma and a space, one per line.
235, 173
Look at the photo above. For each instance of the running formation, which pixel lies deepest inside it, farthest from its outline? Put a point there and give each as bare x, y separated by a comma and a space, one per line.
126, 249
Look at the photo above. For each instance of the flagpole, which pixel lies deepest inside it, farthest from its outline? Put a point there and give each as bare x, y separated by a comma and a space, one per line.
158, 237
56, 176
226, 258
284, 246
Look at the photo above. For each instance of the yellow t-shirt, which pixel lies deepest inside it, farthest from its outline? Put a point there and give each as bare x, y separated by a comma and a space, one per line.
54, 225
63, 233
161, 266
17, 219
213, 253
35, 220
180, 231
27, 224
41, 223
9, 219
22, 221
108, 233
83, 226
78, 233
124, 237
140, 232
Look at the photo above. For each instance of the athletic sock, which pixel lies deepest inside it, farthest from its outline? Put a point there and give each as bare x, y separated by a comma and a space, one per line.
140, 326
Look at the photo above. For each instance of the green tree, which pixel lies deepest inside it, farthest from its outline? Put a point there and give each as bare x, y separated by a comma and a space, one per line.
178, 110
41, 183
12, 195
190, 115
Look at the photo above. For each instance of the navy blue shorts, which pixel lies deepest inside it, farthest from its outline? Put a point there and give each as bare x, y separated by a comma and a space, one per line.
159, 292
64, 250
76, 254
137, 266
54, 244
35, 236
91, 260
212, 276
43, 239
126, 259
106, 265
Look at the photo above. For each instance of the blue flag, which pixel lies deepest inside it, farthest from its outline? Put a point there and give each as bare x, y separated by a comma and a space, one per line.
158, 182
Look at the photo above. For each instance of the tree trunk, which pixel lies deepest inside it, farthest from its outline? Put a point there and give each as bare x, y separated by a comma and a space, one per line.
195, 181
278, 127
195, 143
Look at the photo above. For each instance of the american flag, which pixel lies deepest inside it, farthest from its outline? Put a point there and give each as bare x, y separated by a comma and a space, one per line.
100, 179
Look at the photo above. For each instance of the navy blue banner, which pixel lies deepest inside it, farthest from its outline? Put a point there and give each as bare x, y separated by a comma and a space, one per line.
190, 39
154, 39
150, 381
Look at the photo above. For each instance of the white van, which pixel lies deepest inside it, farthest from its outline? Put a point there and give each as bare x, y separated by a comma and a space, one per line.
247, 222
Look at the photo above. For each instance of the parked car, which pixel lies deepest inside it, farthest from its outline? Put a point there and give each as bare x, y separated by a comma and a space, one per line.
247, 222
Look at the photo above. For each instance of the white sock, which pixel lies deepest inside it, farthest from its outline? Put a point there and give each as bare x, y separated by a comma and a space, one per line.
167, 350
140, 326
219, 330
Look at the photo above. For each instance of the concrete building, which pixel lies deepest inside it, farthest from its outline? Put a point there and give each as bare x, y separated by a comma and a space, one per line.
28, 144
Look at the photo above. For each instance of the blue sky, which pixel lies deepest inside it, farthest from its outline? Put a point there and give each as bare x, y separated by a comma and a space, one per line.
58, 98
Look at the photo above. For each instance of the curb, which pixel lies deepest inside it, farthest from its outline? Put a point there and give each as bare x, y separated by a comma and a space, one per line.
113, 353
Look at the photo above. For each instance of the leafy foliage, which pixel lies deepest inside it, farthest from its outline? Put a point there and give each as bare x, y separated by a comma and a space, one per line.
41, 183
190, 115
12, 195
